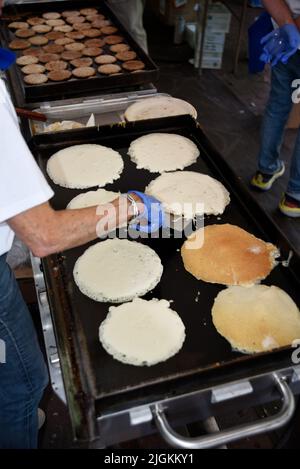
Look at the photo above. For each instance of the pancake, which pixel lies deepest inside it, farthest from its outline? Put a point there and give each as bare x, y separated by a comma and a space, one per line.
160, 152
27, 60
19, 44
41, 28
229, 256
24, 33
33, 68
126, 55
133, 65
161, 106
38, 40
256, 319
187, 193
105, 59
142, 333
56, 65
119, 47
109, 69
83, 62
117, 270
83, 166
35, 79
18, 25
84, 72
92, 198
59, 74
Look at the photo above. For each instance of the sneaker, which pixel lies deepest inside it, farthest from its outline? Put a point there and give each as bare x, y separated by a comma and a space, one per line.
41, 418
263, 181
289, 206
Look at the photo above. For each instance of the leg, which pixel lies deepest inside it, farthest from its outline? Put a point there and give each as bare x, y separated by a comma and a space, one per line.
23, 375
293, 188
276, 115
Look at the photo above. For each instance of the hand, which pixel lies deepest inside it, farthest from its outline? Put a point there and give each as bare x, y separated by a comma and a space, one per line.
152, 216
280, 44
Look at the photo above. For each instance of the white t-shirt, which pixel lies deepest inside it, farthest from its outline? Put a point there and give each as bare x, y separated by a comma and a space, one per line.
22, 184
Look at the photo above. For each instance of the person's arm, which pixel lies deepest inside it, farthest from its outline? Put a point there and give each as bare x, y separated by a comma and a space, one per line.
279, 11
46, 231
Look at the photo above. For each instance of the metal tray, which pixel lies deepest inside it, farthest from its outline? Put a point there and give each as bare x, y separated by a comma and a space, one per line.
24, 93
93, 379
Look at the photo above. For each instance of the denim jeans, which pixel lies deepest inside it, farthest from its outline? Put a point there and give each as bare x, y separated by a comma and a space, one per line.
275, 118
23, 373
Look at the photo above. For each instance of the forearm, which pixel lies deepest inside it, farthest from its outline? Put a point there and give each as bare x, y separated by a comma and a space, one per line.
279, 11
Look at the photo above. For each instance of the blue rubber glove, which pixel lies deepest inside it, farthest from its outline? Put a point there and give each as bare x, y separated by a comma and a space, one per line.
153, 213
7, 58
280, 44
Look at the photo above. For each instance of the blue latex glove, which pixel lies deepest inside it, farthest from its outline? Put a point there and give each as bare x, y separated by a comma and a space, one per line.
153, 213
280, 44
7, 58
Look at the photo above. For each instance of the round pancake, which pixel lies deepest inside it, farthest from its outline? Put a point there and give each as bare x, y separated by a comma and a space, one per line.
75, 46
35, 52
82, 62
119, 47
24, 33
126, 55
18, 44
18, 25
161, 106
35, 79
133, 65
94, 42
56, 65
117, 270
67, 13
83, 166
92, 33
38, 40
81, 26
105, 59
65, 28
92, 199
142, 333
55, 22
77, 35
160, 152
98, 23
113, 39
41, 28
33, 68
109, 30
71, 55
88, 11
256, 319
229, 255
83, 72
63, 41
187, 193
63, 125
35, 20
96, 16
53, 35
75, 19
109, 69
44, 58
54, 48
92, 51
51, 15
26, 60
59, 75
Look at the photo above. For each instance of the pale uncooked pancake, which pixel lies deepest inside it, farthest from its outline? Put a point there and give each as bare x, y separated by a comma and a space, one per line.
93, 198
142, 333
117, 270
257, 318
229, 256
160, 106
159, 152
83, 166
188, 193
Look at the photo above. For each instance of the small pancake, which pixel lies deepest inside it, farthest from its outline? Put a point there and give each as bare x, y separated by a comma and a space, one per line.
77, 35
75, 46
114, 39
105, 59
53, 35
18, 25
67, 13
92, 51
88, 11
44, 58
98, 24
95, 17
92, 199
133, 65
34, 51
229, 255
41, 28
119, 47
256, 319
27, 60
38, 40
92, 32
109, 30
94, 42
75, 19
65, 28
109, 69
55, 22
56, 65
71, 55
35, 79
33, 68
59, 75
24, 33
83, 72
51, 15
81, 26
19, 44
82, 62
35, 20
53, 49
62, 41
126, 55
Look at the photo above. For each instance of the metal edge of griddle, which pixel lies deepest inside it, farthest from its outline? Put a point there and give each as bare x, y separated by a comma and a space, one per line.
83, 88
266, 362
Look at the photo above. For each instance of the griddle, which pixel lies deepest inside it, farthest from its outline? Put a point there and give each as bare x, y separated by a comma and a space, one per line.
24, 93
96, 384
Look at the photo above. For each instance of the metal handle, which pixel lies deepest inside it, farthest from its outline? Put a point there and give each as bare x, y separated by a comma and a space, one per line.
232, 434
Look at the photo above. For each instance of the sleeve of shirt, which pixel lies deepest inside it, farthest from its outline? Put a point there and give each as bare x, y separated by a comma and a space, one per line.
22, 184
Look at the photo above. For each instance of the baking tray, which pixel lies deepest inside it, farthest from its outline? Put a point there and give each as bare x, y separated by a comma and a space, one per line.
93, 376
24, 93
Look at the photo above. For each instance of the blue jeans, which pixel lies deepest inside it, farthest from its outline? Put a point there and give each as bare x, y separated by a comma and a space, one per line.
23, 373
275, 118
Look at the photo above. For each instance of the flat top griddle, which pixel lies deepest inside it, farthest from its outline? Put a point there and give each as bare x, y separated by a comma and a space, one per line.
24, 93
204, 349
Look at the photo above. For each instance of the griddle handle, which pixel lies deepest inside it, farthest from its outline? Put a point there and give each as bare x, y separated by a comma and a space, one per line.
232, 434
